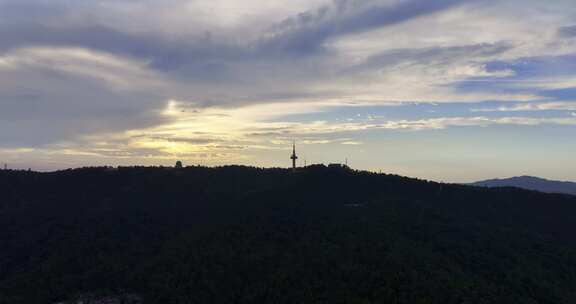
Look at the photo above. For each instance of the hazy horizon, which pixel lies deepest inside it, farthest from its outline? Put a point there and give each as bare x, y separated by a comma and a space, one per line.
49, 170
445, 90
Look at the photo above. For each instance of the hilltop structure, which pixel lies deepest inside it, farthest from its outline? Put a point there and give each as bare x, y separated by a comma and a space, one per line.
294, 157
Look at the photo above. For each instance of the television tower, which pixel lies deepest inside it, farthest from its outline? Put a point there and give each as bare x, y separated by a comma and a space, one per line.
294, 157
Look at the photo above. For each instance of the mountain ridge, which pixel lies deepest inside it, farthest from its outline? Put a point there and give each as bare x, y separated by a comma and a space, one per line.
530, 183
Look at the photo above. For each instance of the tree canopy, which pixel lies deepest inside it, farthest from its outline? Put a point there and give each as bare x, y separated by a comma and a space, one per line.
250, 235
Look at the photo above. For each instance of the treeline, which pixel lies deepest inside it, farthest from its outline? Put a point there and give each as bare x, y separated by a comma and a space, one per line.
247, 235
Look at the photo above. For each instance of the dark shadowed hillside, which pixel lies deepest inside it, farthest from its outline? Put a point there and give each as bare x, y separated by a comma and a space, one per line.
531, 183
247, 235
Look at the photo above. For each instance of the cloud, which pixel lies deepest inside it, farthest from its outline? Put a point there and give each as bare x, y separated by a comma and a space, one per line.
253, 127
54, 94
430, 124
352, 143
155, 78
548, 106
119, 72
453, 55
567, 31
309, 31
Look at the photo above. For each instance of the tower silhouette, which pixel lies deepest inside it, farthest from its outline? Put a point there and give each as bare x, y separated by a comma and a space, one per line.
294, 157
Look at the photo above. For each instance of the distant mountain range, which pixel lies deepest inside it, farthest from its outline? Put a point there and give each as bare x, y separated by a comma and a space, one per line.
531, 183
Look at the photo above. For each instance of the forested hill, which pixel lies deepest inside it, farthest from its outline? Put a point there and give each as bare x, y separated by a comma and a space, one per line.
531, 183
247, 235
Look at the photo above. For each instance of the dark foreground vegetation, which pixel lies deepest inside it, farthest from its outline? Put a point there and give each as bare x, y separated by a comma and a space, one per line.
247, 235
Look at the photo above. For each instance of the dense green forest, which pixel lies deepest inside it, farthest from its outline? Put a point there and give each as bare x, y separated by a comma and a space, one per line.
248, 235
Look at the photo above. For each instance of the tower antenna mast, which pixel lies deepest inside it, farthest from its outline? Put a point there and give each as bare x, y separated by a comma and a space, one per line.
294, 157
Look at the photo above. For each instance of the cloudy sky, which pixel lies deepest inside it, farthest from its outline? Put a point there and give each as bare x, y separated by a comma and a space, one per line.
453, 90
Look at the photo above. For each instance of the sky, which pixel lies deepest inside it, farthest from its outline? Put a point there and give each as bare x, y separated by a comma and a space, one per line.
448, 90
